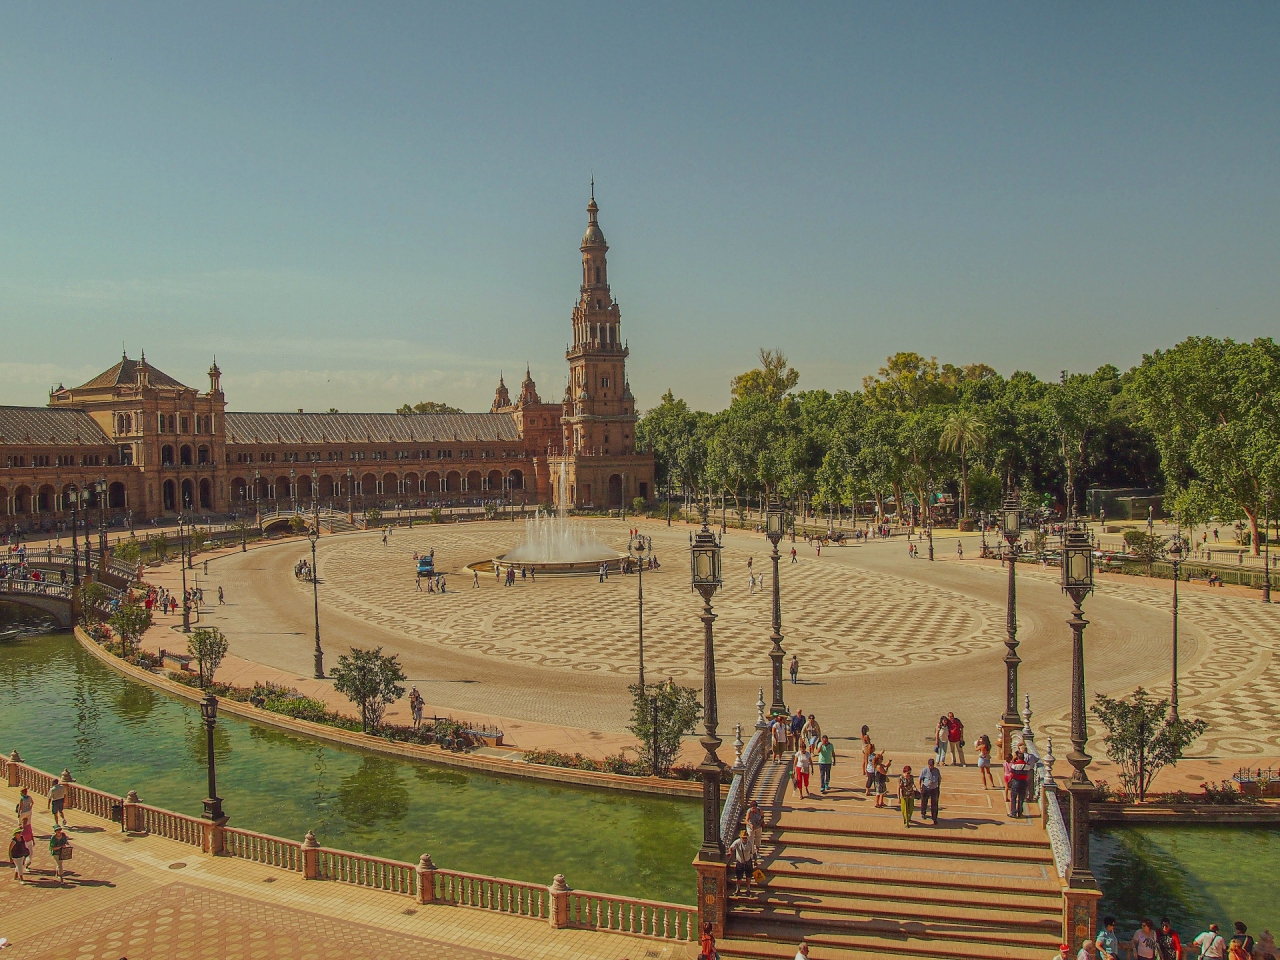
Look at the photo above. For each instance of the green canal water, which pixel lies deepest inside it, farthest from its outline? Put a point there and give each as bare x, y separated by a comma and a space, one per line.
1192, 875
59, 707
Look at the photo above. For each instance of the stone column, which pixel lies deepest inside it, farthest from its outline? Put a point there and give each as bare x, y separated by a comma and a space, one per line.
310, 857
215, 836
1079, 915
426, 871
11, 768
132, 821
559, 891
713, 895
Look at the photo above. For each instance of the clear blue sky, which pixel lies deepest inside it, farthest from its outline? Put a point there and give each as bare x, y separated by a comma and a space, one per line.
358, 206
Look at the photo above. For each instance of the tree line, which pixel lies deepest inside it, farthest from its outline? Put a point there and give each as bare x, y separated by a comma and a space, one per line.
1200, 421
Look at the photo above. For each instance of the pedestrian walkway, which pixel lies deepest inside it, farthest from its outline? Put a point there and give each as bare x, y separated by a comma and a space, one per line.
852, 881
148, 898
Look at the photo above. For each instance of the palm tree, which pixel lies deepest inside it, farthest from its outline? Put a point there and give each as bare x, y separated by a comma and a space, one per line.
962, 432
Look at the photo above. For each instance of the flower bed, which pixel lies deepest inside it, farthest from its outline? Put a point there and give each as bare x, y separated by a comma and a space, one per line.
619, 763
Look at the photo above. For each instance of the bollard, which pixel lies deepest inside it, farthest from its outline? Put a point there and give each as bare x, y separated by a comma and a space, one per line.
132, 815
310, 857
559, 891
426, 871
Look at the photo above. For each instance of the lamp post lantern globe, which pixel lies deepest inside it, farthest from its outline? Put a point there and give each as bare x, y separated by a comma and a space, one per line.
775, 524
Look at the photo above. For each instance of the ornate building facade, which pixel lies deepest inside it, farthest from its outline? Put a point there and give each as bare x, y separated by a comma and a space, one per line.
159, 446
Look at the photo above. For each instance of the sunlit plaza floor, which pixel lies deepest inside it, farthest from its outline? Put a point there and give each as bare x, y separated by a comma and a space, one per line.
883, 640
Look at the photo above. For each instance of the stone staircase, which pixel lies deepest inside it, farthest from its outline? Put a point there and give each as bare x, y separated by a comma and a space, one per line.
852, 881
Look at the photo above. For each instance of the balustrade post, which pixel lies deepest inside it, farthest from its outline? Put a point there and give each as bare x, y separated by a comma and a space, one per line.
132, 814
66, 777
310, 857
214, 836
426, 871
559, 891
11, 768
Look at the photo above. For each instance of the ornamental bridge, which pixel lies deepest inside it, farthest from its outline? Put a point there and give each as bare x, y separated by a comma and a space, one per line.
57, 598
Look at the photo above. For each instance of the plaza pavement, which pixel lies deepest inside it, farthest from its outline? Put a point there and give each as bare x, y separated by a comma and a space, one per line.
145, 898
882, 639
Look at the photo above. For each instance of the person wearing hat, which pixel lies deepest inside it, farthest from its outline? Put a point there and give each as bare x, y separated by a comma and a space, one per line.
59, 845
18, 853
740, 856
907, 795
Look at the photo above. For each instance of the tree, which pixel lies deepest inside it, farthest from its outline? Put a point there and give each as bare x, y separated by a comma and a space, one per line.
772, 380
426, 406
1213, 407
668, 431
159, 544
129, 621
128, 551
678, 710
1077, 408
1143, 737
907, 382
369, 680
208, 645
1147, 547
963, 431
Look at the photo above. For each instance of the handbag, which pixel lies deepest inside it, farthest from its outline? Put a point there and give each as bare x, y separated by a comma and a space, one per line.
64, 853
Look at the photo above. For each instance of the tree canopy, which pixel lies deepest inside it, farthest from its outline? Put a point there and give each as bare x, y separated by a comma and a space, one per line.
425, 406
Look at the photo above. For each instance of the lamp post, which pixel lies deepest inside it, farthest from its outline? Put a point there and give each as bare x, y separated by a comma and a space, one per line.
928, 519
1011, 518
213, 804
313, 535
1077, 583
350, 515
75, 551
705, 572
257, 504
638, 547
293, 489
1175, 560
775, 521
668, 495
101, 487
315, 494
704, 557
182, 562
1266, 547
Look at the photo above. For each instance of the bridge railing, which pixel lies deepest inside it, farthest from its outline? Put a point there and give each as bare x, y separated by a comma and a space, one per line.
556, 904
37, 588
746, 771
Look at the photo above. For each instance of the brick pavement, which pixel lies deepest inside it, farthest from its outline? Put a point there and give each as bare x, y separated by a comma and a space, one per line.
147, 898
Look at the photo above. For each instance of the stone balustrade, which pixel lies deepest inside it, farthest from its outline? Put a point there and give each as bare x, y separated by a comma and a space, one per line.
557, 904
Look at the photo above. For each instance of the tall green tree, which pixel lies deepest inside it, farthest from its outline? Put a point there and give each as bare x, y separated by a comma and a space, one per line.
661, 715
963, 432
371, 681
1213, 406
772, 380
209, 646
1143, 737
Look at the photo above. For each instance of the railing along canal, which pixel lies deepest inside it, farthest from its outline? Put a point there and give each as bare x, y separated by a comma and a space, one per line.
557, 904
746, 771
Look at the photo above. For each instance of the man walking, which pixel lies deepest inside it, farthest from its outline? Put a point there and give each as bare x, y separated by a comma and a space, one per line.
755, 827
1019, 775
740, 857
58, 801
826, 760
955, 735
930, 786
795, 668
23, 807
779, 733
797, 724
222, 599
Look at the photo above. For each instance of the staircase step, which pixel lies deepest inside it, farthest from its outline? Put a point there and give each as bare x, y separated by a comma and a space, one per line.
779, 941
911, 890
854, 826
923, 844
978, 919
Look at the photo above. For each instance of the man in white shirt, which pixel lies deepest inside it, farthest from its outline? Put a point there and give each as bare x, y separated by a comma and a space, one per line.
1211, 944
740, 857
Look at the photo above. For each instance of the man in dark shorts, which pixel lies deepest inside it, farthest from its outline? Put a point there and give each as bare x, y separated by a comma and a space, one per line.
740, 860
58, 800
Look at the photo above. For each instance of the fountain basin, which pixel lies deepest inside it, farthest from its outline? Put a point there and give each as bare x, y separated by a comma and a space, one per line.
544, 568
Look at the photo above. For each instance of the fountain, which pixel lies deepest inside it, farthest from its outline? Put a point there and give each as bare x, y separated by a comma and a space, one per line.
557, 546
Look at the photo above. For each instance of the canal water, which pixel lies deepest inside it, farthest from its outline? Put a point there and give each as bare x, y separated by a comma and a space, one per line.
59, 707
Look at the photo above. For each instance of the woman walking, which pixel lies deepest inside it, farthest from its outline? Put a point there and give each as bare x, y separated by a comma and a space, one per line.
907, 795
804, 767
59, 849
18, 853
882, 778
984, 762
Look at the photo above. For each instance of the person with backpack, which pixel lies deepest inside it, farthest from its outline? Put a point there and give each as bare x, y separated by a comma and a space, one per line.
955, 736
1019, 780
1211, 944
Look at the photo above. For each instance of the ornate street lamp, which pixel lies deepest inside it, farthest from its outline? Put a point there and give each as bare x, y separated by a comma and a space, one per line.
75, 552
313, 535
1077, 583
257, 505
928, 520
350, 516
101, 488
315, 494
704, 555
774, 524
182, 562
1011, 520
1266, 547
638, 547
213, 803
1175, 560
293, 489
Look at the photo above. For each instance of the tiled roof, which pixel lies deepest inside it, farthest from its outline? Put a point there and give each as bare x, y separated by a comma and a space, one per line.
125, 373
314, 428
43, 425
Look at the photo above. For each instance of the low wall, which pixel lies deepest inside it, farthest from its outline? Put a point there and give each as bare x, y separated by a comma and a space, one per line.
412, 751
1159, 814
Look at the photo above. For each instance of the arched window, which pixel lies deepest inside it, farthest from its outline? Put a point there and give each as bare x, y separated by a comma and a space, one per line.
186, 455
166, 455
597, 274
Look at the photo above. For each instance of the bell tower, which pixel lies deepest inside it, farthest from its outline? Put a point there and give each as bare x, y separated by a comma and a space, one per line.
602, 417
